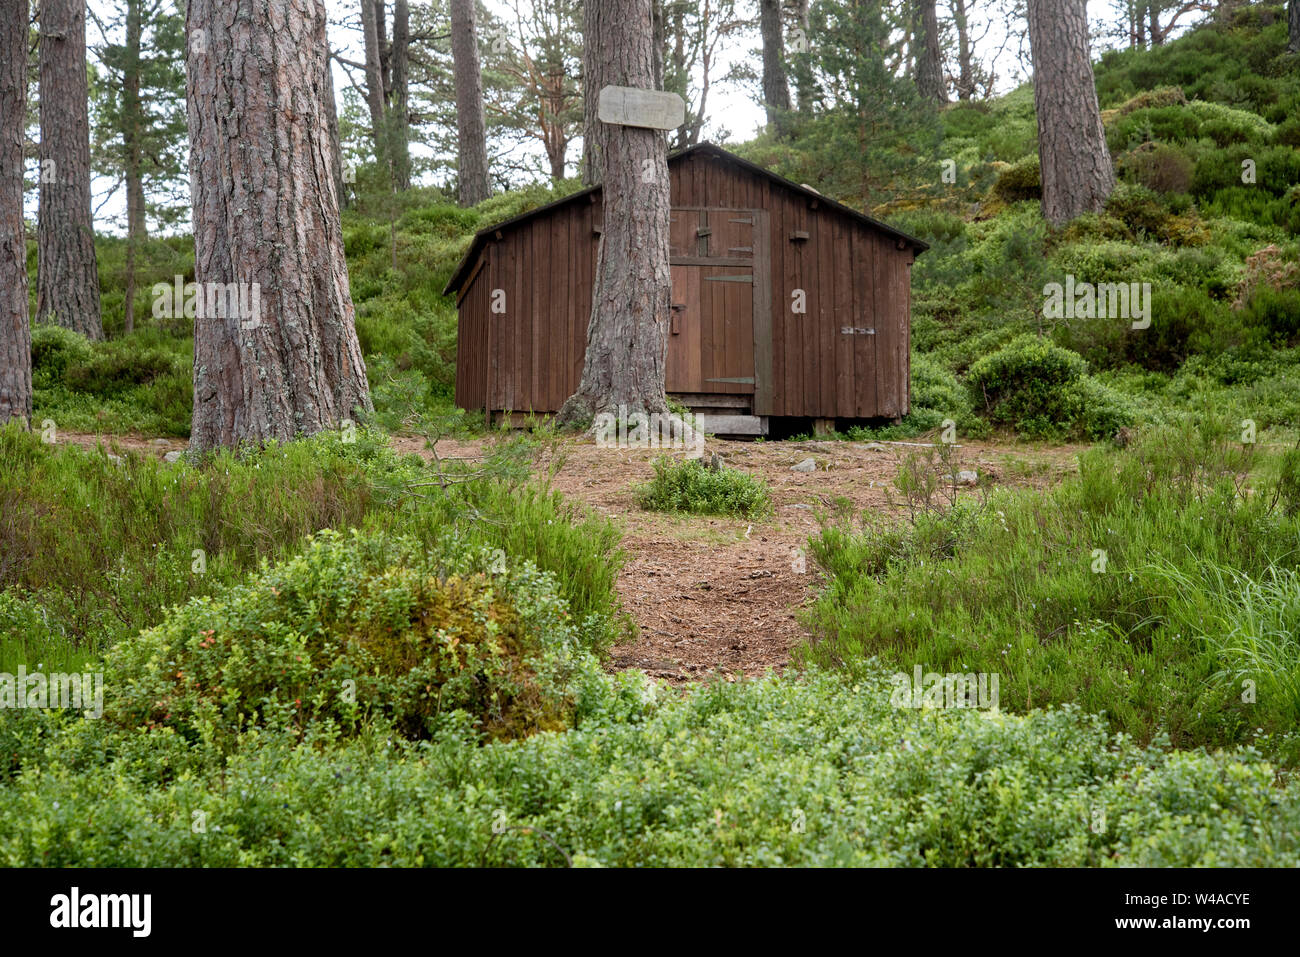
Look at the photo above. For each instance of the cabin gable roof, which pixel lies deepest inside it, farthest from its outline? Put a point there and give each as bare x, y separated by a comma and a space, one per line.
480, 240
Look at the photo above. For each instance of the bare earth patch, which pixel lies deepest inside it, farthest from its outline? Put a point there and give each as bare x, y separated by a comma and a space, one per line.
720, 596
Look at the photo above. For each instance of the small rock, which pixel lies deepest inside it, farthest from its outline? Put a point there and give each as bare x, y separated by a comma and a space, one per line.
967, 477
874, 447
115, 459
173, 456
807, 465
162, 442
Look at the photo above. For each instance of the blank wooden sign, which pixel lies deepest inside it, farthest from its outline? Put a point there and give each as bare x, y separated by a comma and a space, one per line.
653, 109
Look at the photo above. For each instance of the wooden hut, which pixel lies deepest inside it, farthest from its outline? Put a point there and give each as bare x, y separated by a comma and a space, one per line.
786, 304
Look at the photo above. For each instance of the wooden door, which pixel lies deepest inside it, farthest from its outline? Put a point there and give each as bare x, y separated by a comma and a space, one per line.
711, 335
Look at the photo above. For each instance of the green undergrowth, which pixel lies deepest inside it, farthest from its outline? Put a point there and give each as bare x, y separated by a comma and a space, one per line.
692, 487
811, 770
1156, 586
96, 549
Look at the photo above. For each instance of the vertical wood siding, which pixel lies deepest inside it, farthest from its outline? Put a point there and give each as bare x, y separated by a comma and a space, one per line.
853, 276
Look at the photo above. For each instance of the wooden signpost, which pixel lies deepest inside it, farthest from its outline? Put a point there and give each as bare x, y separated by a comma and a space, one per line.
652, 109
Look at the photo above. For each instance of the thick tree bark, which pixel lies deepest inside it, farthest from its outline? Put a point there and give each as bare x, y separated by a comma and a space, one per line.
1293, 25
929, 67
472, 148
1077, 174
776, 86
965, 71
399, 122
265, 213
67, 277
595, 17
627, 337
332, 126
133, 122
15, 331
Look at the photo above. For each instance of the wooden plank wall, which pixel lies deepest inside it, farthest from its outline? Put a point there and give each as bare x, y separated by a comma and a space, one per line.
471, 343
851, 275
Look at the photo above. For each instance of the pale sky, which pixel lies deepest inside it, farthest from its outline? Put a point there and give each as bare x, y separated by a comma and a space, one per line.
729, 107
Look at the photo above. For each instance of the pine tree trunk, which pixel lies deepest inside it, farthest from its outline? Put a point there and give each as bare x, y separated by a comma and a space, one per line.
929, 68
15, 331
595, 17
399, 124
67, 277
627, 337
472, 149
776, 86
965, 73
372, 18
1293, 25
805, 86
1077, 175
265, 212
133, 121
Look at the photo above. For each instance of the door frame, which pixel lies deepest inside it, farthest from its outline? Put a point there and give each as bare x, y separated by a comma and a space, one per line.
761, 265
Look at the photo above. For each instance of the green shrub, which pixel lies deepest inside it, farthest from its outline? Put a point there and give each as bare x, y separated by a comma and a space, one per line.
1161, 96
1041, 389
116, 368
1158, 167
354, 625
816, 770
1139, 209
54, 349
1021, 181
690, 486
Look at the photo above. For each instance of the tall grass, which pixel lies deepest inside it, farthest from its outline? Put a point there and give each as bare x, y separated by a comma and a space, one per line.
1251, 627
95, 549
1086, 593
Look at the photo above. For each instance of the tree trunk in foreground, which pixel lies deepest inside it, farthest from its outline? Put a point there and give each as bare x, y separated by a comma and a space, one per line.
1077, 174
15, 333
627, 337
473, 159
1293, 25
266, 229
67, 278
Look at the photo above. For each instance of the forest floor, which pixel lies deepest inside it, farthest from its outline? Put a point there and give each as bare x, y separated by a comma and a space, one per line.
716, 595
713, 594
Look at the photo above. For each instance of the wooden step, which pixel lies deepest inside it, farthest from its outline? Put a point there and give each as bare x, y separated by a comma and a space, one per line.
746, 425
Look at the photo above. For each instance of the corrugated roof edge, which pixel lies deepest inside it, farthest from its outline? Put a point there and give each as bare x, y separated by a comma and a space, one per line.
480, 238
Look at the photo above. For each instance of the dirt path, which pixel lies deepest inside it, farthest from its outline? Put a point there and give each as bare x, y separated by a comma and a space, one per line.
720, 595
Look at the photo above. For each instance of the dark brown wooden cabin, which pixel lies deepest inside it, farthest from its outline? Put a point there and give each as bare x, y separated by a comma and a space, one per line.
744, 243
